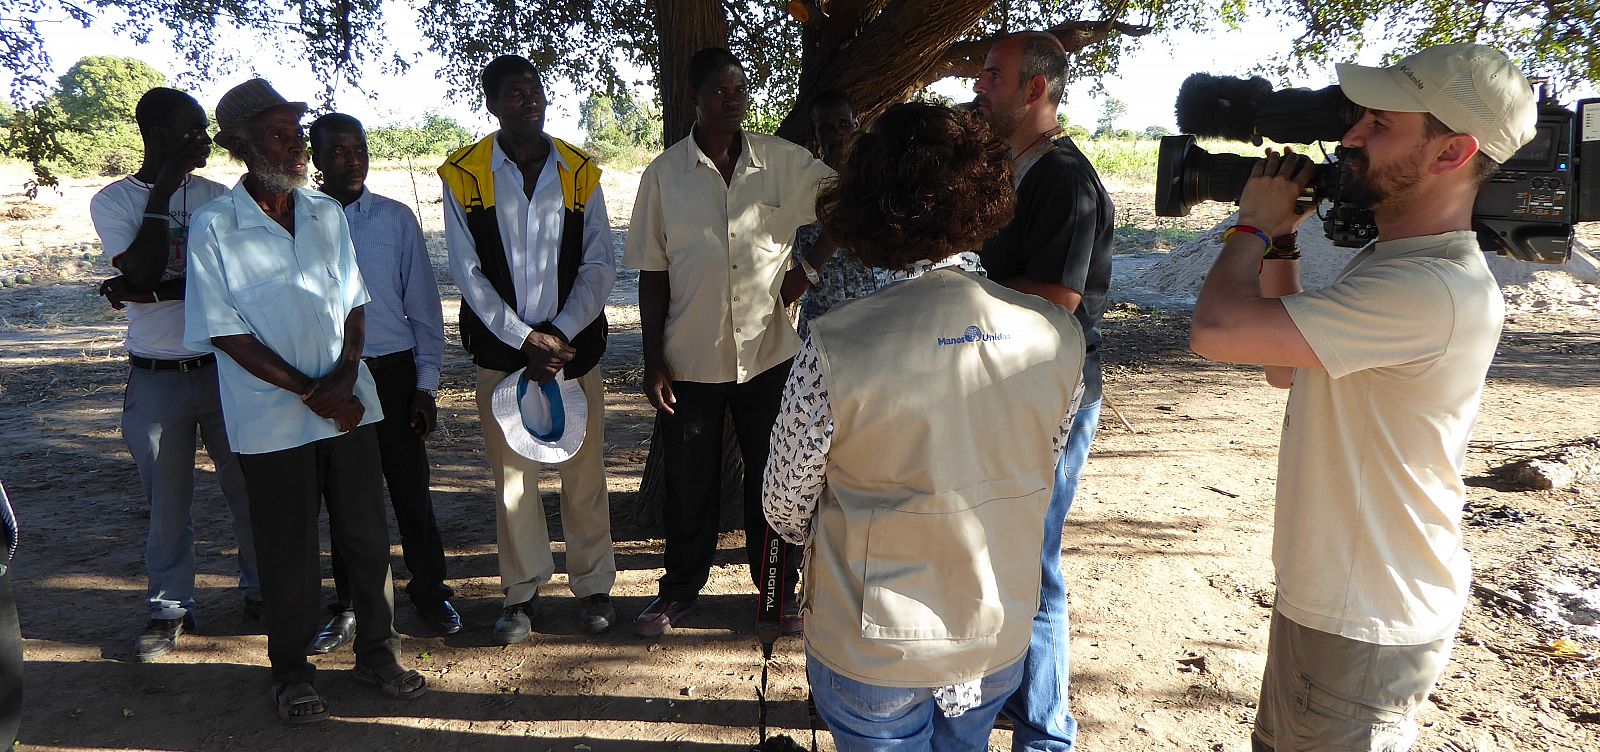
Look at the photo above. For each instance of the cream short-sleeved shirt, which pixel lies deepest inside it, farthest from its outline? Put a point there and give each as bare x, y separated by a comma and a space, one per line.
1367, 538
725, 248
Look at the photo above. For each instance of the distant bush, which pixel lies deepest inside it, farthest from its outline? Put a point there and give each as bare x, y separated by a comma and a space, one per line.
622, 130
432, 136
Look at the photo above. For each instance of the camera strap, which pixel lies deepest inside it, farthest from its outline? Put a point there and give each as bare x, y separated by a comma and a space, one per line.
769, 621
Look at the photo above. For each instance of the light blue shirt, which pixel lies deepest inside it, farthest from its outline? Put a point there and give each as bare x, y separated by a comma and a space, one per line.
404, 313
248, 275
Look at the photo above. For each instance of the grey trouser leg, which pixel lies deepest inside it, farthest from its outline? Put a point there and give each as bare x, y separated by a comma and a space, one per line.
163, 415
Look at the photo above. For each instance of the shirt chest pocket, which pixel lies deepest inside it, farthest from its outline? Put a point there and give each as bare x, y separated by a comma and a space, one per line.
770, 229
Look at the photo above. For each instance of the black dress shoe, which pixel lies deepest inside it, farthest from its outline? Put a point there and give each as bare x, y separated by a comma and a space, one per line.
516, 622
596, 614
160, 637
442, 617
341, 629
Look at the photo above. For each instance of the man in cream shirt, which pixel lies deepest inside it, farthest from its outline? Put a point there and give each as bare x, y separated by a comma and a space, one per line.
711, 224
1387, 368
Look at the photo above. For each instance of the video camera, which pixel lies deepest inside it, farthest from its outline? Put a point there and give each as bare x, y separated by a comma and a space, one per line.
1525, 210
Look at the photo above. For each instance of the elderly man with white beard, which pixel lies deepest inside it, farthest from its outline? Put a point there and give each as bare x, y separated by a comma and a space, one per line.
275, 292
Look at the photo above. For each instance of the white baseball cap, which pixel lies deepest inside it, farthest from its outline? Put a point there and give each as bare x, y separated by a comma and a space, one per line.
1472, 88
543, 422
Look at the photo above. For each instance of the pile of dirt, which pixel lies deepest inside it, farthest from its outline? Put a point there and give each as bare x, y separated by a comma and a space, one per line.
1572, 288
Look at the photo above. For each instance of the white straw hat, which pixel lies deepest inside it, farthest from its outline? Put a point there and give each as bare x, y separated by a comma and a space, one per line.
543, 422
1472, 88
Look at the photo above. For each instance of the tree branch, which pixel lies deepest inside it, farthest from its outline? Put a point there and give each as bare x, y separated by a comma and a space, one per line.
965, 59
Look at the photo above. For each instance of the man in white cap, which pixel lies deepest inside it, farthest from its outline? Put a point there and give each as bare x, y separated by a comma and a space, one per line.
1385, 369
275, 291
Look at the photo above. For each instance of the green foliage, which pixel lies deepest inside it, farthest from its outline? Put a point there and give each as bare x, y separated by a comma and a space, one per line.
619, 126
34, 136
103, 89
596, 44
1155, 132
432, 136
1111, 111
765, 117
86, 124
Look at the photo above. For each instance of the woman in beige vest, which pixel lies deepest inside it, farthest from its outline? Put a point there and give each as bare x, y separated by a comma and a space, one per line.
917, 444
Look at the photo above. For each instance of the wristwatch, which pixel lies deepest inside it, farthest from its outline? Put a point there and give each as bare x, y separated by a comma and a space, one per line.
811, 271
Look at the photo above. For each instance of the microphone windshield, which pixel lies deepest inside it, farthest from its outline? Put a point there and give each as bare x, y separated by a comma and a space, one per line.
1221, 106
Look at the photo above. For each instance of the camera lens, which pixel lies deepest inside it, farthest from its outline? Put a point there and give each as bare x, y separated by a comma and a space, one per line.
1187, 175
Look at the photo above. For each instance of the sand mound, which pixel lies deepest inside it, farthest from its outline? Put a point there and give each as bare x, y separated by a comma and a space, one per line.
1572, 288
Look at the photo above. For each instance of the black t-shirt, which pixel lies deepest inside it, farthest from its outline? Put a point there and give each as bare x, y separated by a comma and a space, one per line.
1061, 235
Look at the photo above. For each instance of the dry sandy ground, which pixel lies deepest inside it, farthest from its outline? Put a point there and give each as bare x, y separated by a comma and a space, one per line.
1166, 551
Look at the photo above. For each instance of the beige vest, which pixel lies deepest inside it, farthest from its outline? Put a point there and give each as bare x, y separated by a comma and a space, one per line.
923, 567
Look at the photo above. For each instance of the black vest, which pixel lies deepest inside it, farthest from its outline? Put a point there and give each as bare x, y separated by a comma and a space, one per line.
467, 174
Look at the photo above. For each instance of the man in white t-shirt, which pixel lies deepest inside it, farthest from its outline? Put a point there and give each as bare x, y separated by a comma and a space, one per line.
1386, 369
143, 222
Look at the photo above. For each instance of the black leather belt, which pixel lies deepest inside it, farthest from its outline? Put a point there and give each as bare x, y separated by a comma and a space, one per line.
187, 364
384, 361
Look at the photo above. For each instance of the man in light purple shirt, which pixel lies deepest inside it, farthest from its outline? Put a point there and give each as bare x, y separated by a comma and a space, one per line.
404, 349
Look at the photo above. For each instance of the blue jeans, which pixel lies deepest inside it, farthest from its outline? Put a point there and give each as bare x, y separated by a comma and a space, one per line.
867, 718
1038, 709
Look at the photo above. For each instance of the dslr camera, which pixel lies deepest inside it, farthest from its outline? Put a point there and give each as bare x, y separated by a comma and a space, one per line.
1526, 210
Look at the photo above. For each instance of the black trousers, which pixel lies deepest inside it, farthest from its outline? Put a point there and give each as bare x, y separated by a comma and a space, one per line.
405, 472
693, 444
286, 489
10, 656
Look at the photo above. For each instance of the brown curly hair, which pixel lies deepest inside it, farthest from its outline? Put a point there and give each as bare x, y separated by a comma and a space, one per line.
925, 183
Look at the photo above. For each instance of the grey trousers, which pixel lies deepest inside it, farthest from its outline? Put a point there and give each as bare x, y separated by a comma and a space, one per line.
287, 488
163, 413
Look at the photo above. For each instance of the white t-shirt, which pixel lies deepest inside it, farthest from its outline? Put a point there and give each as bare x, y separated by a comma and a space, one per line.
155, 330
1367, 538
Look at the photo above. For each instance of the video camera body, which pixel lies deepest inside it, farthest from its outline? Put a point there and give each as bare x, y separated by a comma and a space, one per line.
1526, 210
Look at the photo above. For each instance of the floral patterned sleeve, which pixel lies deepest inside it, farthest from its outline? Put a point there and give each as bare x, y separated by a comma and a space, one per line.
1058, 442
798, 460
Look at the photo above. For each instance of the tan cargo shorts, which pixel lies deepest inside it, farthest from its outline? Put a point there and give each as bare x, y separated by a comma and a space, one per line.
1322, 692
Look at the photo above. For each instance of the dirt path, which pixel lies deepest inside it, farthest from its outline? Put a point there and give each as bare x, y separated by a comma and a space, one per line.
1167, 554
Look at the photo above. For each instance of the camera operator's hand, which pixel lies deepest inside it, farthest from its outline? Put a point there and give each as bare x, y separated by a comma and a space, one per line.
1268, 200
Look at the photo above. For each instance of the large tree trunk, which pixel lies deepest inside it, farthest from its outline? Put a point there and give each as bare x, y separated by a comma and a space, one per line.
879, 53
683, 27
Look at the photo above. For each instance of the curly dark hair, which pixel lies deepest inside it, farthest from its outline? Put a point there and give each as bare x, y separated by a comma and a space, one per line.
925, 183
